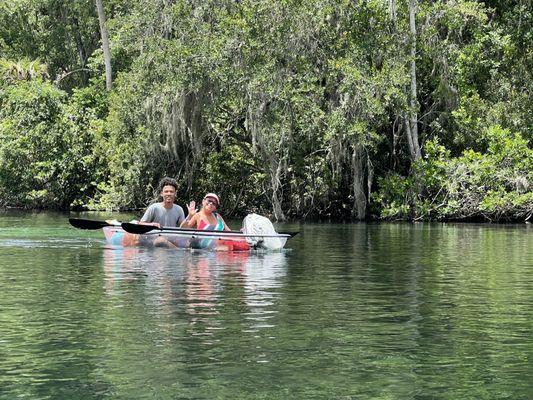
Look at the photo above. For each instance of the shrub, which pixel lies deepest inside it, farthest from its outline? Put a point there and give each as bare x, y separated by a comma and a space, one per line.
492, 186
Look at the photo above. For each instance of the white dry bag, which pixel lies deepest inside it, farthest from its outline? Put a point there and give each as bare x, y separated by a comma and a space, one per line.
254, 224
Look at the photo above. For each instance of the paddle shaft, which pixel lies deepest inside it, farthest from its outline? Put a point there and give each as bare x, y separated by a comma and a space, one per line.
91, 224
143, 229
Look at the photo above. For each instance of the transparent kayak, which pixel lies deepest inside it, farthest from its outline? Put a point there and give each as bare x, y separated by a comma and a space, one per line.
193, 239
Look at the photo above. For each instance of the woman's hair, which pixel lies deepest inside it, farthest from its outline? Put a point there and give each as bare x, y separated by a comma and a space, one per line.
167, 182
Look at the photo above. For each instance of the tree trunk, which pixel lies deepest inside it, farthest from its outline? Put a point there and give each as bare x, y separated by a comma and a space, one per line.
359, 209
275, 176
370, 178
411, 121
392, 11
105, 44
79, 43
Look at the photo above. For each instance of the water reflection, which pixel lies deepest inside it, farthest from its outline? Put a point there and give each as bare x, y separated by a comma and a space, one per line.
198, 286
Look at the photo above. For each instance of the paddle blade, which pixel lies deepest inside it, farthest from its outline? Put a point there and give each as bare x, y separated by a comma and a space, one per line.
290, 233
137, 229
81, 223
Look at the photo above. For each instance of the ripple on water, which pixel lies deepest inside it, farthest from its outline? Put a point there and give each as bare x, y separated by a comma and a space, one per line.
55, 243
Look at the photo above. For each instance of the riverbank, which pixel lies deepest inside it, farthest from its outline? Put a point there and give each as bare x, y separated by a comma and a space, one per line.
137, 213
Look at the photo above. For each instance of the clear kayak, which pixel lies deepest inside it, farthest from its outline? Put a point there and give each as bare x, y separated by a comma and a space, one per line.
209, 240
257, 233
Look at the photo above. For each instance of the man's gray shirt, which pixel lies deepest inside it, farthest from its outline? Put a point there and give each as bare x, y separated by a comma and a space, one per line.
165, 217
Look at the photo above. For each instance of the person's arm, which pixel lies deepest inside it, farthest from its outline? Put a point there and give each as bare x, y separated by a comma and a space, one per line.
191, 212
148, 217
226, 227
190, 222
181, 216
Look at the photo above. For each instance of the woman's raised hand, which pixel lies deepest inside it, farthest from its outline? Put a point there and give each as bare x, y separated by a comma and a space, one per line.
191, 209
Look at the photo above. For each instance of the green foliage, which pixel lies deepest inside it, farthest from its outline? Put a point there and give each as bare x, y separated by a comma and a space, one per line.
393, 197
494, 186
31, 143
210, 77
22, 70
295, 109
48, 155
61, 34
232, 175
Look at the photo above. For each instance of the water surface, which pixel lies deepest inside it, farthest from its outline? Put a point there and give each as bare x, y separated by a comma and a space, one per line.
352, 311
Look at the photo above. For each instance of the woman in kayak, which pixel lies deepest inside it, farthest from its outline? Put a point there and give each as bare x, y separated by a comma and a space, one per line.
208, 219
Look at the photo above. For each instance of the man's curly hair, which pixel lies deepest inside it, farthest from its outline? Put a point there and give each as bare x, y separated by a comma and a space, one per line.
166, 181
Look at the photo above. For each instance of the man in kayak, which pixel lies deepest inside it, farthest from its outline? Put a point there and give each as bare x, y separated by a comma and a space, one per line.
165, 213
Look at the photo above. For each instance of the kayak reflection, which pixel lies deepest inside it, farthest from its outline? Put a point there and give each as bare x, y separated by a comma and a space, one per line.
199, 288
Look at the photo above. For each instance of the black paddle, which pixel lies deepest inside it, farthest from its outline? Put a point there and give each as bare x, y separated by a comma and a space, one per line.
88, 223
140, 229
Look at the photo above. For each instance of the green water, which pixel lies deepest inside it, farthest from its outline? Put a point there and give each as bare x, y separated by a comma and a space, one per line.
354, 311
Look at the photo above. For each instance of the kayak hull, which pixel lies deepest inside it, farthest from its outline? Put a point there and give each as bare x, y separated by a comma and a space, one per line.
116, 236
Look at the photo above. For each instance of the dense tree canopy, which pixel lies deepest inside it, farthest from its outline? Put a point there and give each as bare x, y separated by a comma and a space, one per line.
397, 109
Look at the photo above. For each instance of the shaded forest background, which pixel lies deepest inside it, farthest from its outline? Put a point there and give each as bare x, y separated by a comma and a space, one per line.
322, 109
